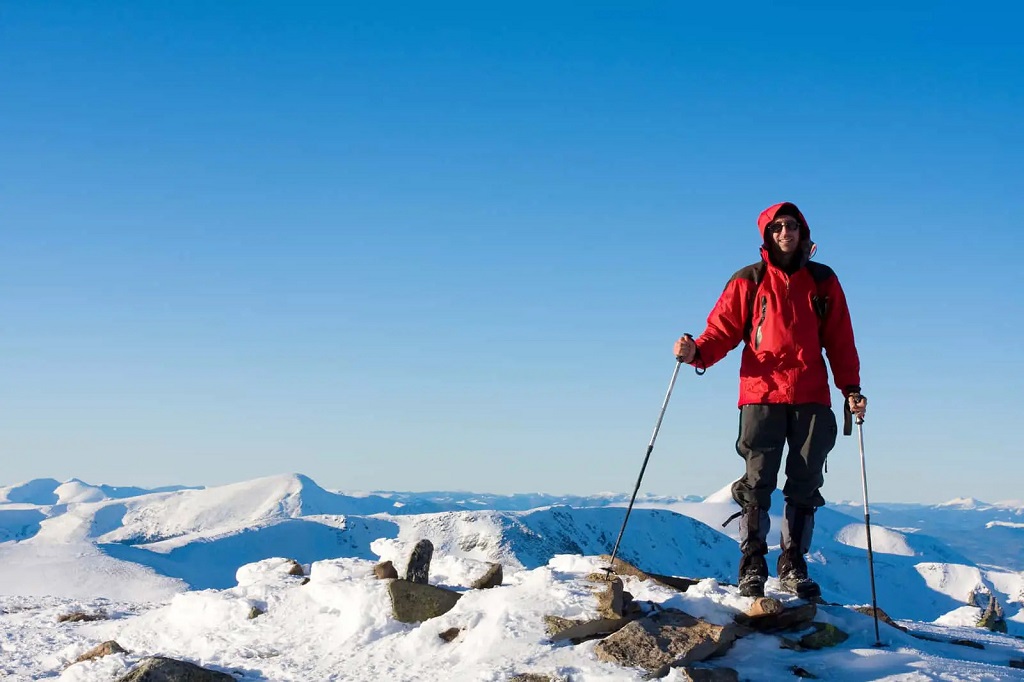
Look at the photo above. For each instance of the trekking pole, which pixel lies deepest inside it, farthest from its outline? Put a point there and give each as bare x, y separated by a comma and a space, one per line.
647, 457
867, 526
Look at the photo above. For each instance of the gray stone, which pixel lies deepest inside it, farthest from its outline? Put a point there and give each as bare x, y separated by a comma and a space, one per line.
788, 619
107, 648
385, 570
665, 640
493, 577
416, 602
418, 570
159, 669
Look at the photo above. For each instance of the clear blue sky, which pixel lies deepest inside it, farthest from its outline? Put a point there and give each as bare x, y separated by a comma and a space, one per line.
414, 247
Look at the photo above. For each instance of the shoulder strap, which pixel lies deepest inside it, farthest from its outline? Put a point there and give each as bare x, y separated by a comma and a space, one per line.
754, 273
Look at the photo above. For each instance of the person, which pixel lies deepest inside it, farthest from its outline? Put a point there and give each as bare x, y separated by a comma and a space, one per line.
786, 310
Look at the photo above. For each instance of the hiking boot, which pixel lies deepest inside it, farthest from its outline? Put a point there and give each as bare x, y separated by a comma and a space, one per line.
753, 575
793, 576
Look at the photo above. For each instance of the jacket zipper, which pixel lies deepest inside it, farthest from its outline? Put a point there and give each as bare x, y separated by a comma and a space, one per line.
764, 312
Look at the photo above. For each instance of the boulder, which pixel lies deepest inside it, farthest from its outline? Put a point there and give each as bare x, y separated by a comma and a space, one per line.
385, 570
295, 568
581, 629
666, 639
105, 649
823, 635
159, 669
493, 577
787, 619
418, 569
882, 616
413, 602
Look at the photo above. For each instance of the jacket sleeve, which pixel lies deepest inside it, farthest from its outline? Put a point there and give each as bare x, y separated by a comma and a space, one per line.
725, 323
837, 338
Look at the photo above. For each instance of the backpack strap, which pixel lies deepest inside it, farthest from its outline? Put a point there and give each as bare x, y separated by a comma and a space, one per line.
820, 273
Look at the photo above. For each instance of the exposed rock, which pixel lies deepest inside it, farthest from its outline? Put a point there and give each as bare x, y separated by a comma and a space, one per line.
295, 568
105, 649
449, 635
689, 674
418, 570
385, 570
493, 577
800, 672
992, 619
609, 593
624, 568
967, 642
305, 581
255, 612
578, 630
80, 617
535, 677
787, 619
882, 616
663, 640
1017, 663
413, 602
764, 606
159, 669
824, 635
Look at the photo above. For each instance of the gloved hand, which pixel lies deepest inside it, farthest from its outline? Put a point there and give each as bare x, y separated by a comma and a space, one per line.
685, 349
858, 404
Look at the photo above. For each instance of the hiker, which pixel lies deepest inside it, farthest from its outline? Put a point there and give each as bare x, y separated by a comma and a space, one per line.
786, 310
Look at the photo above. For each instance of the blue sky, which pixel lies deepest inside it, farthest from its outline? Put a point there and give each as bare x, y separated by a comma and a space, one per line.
449, 246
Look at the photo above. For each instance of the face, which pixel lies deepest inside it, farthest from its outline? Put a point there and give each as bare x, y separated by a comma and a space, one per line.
785, 233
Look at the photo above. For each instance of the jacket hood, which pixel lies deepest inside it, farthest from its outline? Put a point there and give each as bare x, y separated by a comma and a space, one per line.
785, 208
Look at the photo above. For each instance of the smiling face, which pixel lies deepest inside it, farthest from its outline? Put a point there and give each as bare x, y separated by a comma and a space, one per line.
785, 233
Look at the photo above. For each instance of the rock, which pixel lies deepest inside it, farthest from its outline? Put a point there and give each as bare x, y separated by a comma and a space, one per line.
305, 581
80, 617
534, 677
967, 642
295, 568
578, 630
449, 635
787, 619
418, 570
764, 606
664, 640
992, 619
255, 612
882, 616
385, 570
159, 669
688, 674
610, 598
413, 602
105, 649
624, 568
1017, 663
493, 577
824, 635
800, 672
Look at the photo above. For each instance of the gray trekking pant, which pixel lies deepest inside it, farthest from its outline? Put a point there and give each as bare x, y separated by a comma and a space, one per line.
810, 431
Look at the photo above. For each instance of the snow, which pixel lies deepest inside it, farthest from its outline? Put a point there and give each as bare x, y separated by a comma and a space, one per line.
178, 571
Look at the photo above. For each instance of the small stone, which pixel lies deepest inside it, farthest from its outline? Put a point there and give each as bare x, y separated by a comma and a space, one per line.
107, 648
416, 602
968, 643
418, 569
295, 568
305, 581
255, 612
882, 616
800, 672
825, 635
449, 635
764, 606
534, 677
385, 570
160, 669
1017, 663
80, 617
493, 577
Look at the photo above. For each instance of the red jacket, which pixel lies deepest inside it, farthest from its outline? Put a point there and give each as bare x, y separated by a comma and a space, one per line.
783, 335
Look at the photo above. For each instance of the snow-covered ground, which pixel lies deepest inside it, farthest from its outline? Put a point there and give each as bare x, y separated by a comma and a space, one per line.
177, 571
